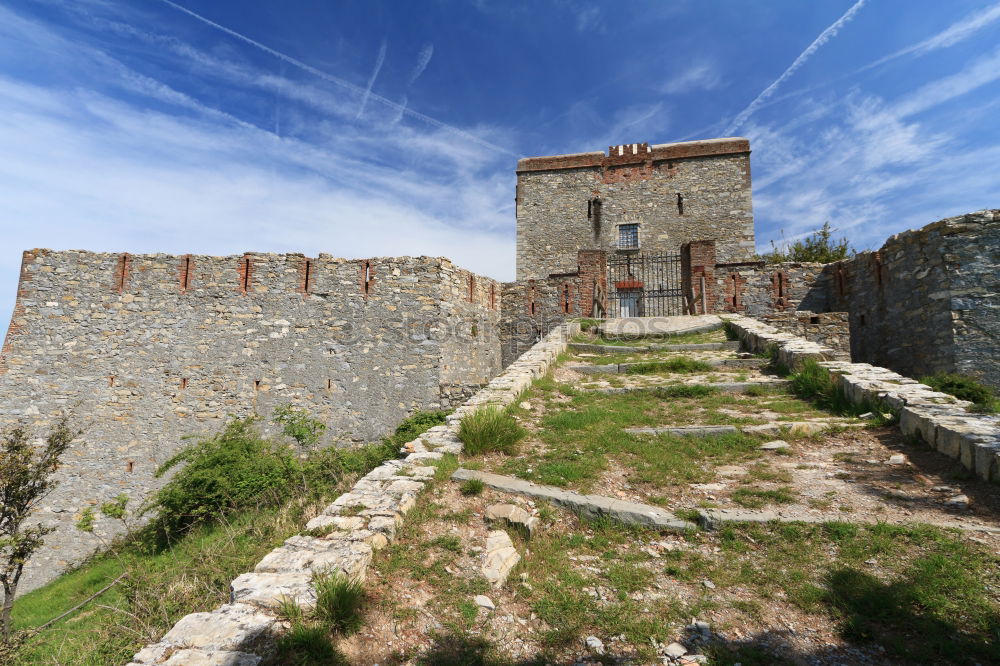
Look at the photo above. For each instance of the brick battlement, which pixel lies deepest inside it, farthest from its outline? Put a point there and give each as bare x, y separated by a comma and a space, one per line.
635, 153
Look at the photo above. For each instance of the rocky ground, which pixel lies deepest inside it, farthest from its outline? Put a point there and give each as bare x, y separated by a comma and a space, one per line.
897, 557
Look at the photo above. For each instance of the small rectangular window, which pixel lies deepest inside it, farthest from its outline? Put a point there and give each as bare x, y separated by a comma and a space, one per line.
628, 237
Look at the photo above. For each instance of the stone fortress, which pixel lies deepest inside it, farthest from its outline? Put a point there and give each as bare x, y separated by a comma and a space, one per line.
141, 351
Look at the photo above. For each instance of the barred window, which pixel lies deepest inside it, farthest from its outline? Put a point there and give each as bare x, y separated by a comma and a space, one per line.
628, 236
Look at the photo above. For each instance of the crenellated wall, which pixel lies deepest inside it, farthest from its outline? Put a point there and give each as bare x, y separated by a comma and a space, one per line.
140, 351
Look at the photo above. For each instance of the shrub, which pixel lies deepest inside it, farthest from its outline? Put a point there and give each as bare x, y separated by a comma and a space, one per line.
490, 429
338, 601
963, 388
232, 470
472, 487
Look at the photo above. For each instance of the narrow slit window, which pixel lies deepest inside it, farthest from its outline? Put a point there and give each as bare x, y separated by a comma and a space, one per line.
680, 203
472, 288
123, 265
329, 384
493, 297
247, 268
306, 287
184, 383
367, 278
185, 274
256, 385
111, 380
130, 466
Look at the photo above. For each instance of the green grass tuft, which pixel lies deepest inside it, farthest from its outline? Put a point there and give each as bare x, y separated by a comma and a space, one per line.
472, 487
338, 601
681, 364
490, 429
962, 387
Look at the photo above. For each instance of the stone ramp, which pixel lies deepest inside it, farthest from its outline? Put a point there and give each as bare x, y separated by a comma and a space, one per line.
590, 506
615, 368
637, 327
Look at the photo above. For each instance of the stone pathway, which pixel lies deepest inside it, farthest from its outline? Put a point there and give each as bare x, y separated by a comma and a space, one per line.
591, 506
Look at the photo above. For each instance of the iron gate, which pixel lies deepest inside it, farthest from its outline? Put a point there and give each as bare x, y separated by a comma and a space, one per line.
645, 285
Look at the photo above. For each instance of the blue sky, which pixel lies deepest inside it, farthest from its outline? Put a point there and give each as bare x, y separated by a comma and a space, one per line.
376, 128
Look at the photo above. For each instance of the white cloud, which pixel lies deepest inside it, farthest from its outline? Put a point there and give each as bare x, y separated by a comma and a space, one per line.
698, 75
163, 172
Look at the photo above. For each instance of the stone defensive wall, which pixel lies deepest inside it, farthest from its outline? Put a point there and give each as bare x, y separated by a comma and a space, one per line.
939, 419
359, 522
140, 351
534, 307
928, 300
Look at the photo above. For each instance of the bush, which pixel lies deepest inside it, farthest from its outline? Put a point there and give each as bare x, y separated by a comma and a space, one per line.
338, 601
232, 470
490, 429
963, 388
819, 246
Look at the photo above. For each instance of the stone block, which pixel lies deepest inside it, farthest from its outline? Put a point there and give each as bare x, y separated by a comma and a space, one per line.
230, 627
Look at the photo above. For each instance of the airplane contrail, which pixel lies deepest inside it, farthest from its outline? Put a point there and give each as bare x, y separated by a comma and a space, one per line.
341, 82
823, 38
371, 81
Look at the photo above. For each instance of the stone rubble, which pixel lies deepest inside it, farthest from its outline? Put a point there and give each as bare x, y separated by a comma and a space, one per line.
500, 558
514, 516
343, 537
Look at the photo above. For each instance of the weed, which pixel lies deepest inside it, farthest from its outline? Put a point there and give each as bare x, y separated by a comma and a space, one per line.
684, 391
448, 542
472, 487
753, 498
338, 601
490, 429
681, 364
308, 645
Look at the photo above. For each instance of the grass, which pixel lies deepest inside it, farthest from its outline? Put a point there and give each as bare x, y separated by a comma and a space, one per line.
338, 601
163, 581
756, 498
472, 487
490, 429
680, 364
926, 600
982, 397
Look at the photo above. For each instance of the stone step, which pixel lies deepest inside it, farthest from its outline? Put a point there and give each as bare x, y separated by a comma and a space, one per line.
616, 368
641, 327
686, 431
732, 345
725, 387
590, 506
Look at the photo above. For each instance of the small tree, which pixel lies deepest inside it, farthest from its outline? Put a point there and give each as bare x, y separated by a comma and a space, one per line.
296, 423
24, 483
819, 246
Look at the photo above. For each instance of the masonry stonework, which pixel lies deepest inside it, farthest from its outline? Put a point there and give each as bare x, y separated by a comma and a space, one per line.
675, 192
141, 350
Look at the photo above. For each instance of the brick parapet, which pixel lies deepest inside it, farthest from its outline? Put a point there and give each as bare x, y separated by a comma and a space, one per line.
640, 153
